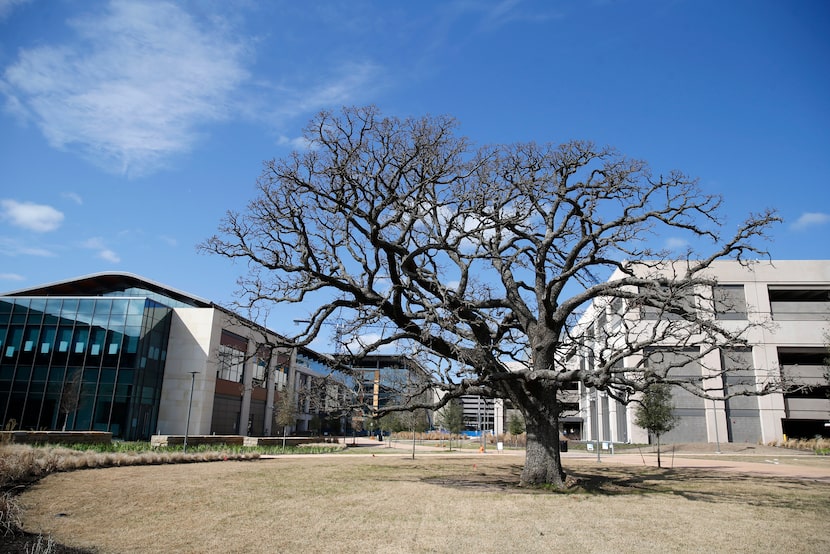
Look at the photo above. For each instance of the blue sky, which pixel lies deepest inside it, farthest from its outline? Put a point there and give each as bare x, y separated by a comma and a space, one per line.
129, 128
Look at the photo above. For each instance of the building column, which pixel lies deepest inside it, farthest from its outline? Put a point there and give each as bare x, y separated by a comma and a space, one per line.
247, 388
270, 380
717, 430
498, 416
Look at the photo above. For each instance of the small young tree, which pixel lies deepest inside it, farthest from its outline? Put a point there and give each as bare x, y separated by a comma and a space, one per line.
451, 418
656, 412
285, 412
70, 396
515, 426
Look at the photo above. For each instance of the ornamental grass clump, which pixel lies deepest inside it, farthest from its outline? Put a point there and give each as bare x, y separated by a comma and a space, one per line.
23, 464
819, 445
9, 514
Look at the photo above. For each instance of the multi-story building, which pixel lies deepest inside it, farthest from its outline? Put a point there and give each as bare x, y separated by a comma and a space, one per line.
784, 306
117, 352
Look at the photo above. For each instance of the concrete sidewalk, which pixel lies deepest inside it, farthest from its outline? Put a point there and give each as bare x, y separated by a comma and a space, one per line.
736, 458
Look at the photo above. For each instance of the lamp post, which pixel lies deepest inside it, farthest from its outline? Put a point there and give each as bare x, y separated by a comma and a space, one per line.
599, 423
189, 408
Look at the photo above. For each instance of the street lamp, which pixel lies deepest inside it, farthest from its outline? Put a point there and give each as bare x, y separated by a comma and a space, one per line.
598, 422
189, 408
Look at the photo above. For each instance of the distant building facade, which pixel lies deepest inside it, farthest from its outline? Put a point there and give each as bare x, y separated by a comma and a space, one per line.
790, 303
117, 352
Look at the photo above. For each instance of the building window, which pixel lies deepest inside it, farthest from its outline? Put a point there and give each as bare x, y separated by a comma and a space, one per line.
730, 302
803, 369
663, 302
231, 364
261, 368
232, 349
789, 303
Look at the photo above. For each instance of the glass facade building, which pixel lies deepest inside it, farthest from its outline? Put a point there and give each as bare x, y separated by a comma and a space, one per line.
90, 361
118, 353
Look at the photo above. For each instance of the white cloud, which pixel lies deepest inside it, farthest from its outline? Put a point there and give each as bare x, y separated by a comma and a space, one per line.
11, 277
811, 219
103, 252
134, 89
28, 215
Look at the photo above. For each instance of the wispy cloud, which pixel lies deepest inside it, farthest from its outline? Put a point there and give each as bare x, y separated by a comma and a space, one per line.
139, 82
675, 243
811, 219
28, 215
168, 240
76, 198
135, 87
508, 11
101, 249
11, 277
15, 247
7, 6
348, 84
296, 143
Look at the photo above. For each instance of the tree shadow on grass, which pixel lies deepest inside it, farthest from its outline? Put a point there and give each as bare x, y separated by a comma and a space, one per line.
690, 484
32, 542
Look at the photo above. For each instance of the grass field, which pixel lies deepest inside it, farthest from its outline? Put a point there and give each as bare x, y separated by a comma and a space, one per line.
391, 503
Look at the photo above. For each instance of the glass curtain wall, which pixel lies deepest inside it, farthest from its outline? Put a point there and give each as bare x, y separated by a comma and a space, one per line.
82, 364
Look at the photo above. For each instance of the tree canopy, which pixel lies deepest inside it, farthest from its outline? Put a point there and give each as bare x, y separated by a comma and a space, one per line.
473, 257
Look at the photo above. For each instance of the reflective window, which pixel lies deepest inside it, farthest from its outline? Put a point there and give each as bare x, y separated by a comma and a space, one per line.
47, 339
85, 308
30, 340
69, 308
96, 342
53, 310
64, 338
102, 313
13, 339
81, 337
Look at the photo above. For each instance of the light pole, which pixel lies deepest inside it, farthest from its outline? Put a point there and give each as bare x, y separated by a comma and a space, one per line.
189, 408
599, 421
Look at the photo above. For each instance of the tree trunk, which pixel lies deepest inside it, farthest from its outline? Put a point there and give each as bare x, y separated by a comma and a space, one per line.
543, 464
658, 451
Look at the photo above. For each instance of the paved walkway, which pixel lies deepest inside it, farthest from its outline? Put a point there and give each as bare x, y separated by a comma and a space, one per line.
742, 459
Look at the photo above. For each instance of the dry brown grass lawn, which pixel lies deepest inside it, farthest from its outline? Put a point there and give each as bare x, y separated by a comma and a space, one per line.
431, 504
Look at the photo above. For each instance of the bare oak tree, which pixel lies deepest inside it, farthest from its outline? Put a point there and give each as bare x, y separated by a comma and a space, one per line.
474, 256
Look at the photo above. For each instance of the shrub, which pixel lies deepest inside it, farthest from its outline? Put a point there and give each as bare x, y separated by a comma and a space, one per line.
519, 440
425, 436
